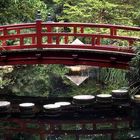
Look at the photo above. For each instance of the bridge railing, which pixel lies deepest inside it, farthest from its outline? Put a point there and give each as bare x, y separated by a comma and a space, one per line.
61, 35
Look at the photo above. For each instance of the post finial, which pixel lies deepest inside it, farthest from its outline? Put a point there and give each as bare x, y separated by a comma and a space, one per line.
49, 18
38, 15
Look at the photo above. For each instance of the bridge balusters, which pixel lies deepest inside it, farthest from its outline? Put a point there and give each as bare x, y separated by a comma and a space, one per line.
75, 31
49, 30
66, 39
21, 42
4, 34
18, 31
97, 41
66, 36
33, 40
39, 33
57, 40
113, 31
82, 30
93, 41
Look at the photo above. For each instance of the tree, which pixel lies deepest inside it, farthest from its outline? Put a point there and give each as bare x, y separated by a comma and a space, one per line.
37, 80
133, 75
100, 11
15, 11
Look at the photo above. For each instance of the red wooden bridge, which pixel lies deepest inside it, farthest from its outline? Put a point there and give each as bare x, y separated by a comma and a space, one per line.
52, 43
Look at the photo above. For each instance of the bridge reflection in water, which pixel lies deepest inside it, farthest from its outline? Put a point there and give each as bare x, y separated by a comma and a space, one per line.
98, 121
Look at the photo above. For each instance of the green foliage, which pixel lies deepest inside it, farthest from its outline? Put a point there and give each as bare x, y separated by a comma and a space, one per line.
50, 80
15, 11
88, 87
87, 11
112, 79
27, 80
101, 80
134, 75
3, 81
40, 80
97, 11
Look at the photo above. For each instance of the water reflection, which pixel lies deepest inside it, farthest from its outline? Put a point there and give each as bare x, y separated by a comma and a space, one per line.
91, 122
98, 120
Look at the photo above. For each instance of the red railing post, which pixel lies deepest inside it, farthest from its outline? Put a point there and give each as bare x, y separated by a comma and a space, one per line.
97, 42
21, 38
39, 30
66, 39
74, 29
4, 34
49, 29
82, 29
93, 41
113, 31
57, 40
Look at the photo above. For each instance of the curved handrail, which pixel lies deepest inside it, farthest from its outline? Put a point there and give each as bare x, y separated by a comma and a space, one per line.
92, 25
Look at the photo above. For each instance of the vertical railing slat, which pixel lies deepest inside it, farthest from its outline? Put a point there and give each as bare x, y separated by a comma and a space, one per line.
39, 33
49, 30
57, 40
4, 34
113, 31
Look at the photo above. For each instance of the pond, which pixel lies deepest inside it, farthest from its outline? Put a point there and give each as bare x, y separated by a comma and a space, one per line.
98, 121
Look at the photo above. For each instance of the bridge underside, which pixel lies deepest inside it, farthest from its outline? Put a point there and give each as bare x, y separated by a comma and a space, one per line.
67, 57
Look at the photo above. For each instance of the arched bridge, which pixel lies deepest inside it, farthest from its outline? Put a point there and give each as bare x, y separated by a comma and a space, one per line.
68, 43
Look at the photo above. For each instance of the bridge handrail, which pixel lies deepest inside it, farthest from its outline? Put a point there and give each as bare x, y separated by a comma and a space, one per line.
17, 26
71, 24
76, 24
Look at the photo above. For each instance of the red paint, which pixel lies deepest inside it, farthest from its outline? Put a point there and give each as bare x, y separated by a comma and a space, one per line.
54, 32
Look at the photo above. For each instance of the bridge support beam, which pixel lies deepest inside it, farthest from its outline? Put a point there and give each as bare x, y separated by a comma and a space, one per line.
67, 57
